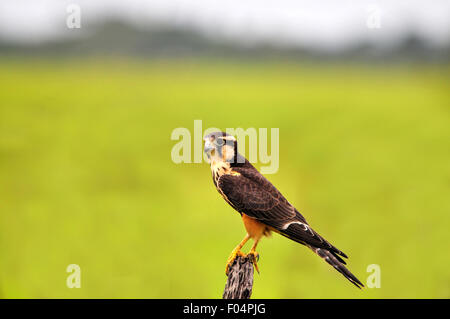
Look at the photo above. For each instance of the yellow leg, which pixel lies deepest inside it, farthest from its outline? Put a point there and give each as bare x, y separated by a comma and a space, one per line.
236, 252
254, 255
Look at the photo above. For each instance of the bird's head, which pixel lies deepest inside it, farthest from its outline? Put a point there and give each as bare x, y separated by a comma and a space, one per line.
221, 146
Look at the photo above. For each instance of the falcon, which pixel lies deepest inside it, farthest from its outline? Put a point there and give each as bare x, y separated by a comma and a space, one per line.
262, 207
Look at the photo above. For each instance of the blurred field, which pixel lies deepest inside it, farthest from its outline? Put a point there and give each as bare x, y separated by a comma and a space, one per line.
86, 177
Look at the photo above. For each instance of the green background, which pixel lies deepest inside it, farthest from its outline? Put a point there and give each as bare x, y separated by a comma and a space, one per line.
86, 177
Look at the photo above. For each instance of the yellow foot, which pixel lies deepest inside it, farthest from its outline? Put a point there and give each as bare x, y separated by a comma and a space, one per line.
235, 253
255, 257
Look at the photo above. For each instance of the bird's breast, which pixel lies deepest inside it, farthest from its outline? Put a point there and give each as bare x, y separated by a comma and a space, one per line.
219, 169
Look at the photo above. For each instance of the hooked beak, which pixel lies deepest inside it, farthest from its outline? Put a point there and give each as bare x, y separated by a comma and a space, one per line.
208, 146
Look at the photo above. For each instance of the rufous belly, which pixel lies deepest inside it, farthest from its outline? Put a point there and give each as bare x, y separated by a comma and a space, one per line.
254, 228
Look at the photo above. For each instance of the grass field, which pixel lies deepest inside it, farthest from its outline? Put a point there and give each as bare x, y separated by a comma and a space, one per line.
86, 177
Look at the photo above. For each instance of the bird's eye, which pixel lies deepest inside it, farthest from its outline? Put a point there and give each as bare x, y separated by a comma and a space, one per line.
220, 141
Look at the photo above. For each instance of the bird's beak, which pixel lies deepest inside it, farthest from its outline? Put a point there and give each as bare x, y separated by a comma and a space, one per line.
208, 146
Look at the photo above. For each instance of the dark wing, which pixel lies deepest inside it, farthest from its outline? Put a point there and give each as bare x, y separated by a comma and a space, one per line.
252, 194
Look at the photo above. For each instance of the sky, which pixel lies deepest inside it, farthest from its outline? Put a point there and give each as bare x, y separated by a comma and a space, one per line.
321, 24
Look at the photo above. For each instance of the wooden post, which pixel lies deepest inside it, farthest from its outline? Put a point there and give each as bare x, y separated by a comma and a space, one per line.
240, 279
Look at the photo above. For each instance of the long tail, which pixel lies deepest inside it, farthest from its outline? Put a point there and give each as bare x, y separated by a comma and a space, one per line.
337, 263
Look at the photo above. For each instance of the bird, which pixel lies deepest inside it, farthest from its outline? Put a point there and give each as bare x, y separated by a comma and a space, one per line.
262, 207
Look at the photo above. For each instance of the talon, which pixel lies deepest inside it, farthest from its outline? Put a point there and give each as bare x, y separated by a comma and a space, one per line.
231, 260
255, 258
